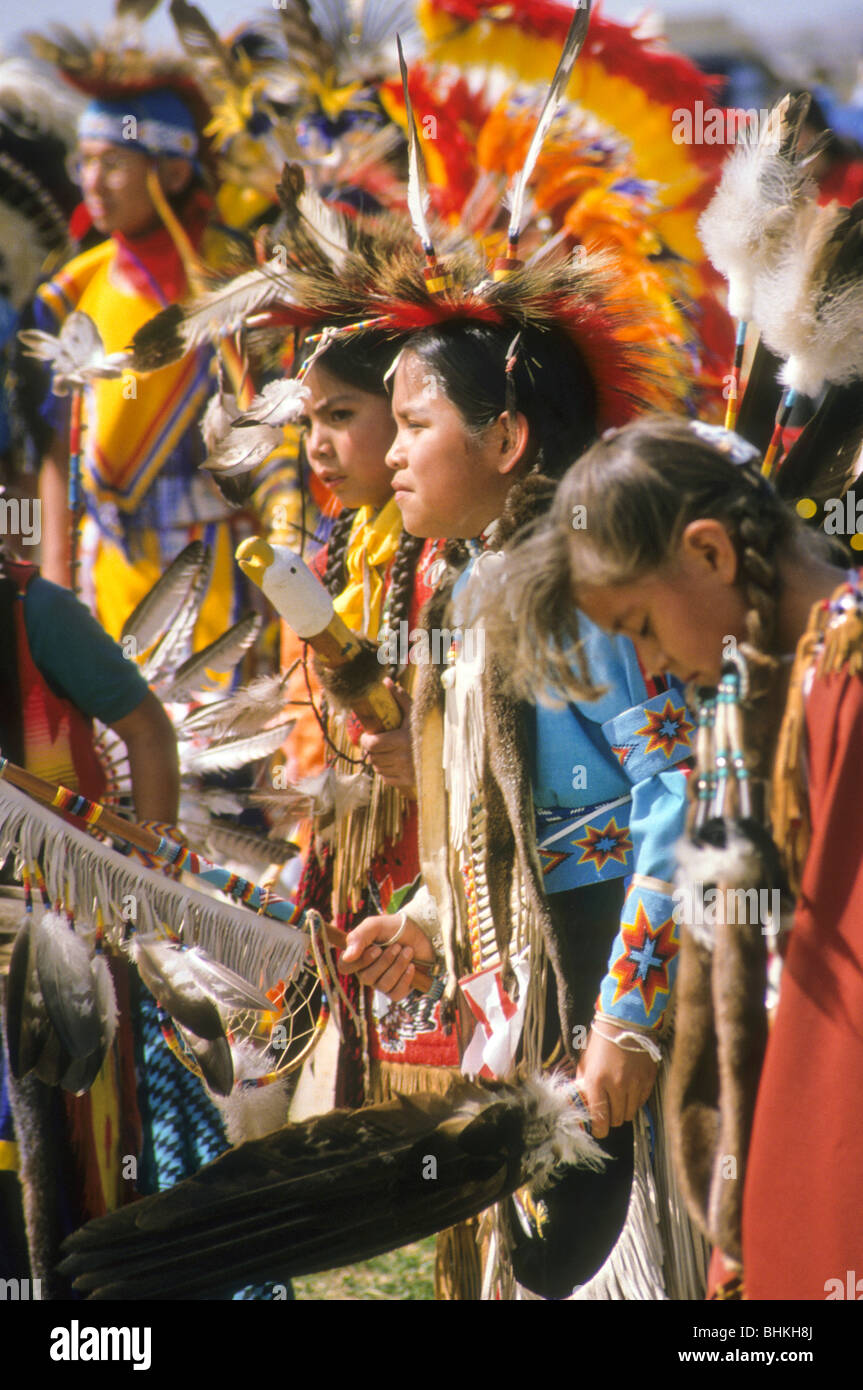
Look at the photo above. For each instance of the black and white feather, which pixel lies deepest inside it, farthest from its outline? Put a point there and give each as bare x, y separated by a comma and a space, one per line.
336, 1189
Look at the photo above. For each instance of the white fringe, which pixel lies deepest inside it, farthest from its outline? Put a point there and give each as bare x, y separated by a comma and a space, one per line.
90, 878
463, 746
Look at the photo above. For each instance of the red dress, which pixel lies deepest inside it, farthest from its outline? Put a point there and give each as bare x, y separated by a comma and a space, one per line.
803, 1200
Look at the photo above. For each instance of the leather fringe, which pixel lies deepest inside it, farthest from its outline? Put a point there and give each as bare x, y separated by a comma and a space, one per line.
830, 643
363, 833
390, 1079
458, 1263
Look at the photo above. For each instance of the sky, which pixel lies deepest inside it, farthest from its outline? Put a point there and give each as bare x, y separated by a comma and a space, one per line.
759, 17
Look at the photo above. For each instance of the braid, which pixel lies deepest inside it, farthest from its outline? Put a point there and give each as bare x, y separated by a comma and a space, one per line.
402, 576
334, 574
759, 530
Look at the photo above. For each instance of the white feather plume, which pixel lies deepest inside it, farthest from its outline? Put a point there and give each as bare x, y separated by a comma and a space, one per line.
809, 314
278, 403
762, 188
77, 353
327, 226
250, 1112
227, 757
701, 867
224, 310
242, 448
572, 47
221, 414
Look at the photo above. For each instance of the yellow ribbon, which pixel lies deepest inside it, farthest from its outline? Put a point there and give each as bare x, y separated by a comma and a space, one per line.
372, 546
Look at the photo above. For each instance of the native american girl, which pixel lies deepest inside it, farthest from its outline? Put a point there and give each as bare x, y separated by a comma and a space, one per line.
378, 575
545, 835
690, 553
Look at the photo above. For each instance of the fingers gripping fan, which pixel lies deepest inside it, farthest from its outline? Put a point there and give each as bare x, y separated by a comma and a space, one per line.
333, 1190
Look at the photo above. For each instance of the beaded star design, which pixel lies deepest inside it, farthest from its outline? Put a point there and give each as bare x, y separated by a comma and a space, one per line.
666, 728
599, 846
648, 952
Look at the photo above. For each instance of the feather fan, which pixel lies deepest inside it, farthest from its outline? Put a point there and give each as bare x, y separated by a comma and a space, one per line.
175, 646
178, 329
244, 846
220, 656
247, 712
227, 757
333, 1190
158, 608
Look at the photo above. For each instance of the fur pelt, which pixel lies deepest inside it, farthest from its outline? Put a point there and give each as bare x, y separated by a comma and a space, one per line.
720, 1037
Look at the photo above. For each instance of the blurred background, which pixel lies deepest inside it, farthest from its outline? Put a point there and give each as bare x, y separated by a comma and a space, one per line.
758, 47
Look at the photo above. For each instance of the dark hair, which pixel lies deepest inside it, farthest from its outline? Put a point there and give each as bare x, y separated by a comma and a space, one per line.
549, 383
337, 545
360, 359
617, 516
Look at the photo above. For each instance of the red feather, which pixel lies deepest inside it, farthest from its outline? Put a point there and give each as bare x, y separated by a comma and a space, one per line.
458, 113
665, 77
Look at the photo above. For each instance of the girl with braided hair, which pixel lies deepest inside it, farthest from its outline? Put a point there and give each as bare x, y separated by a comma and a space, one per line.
375, 571
545, 834
689, 551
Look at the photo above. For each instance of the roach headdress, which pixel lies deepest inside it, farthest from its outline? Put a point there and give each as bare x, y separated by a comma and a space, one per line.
397, 274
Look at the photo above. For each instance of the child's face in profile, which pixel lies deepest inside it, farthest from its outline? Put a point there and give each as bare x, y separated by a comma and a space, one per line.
681, 616
347, 433
446, 482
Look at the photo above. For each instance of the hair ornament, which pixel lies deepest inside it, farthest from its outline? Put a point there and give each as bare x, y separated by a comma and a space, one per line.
735, 448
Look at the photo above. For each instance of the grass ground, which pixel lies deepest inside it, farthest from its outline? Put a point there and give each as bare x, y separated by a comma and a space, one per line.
402, 1275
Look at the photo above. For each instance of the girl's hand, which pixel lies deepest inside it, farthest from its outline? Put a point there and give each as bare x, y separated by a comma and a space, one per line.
383, 966
615, 1084
391, 753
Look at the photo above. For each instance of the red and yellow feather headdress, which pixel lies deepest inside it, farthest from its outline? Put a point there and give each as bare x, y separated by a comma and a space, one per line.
363, 272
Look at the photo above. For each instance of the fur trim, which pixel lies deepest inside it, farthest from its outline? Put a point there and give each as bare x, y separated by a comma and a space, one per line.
702, 866
721, 1034
344, 684
557, 1135
250, 1112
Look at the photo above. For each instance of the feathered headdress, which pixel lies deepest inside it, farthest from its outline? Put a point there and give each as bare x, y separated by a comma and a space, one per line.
302, 85
120, 66
795, 270
363, 273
